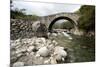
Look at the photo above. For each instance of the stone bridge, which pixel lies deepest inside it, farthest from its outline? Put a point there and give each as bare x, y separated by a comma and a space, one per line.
23, 28
51, 19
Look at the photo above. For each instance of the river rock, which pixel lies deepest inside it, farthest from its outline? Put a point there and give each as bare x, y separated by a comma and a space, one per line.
43, 51
18, 64
21, 29
47, 61
59, 53
54, 34
53, 60
54, 42
39, 49
30, 48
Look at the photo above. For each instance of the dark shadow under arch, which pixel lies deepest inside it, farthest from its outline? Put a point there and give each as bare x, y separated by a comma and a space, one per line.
59, 18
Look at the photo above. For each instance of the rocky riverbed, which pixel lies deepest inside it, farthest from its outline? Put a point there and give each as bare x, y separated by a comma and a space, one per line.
29, 46
35, 51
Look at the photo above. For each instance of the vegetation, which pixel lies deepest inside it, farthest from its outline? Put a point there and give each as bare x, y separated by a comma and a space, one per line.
86, 22
67, 25
63, 25
20, 14
87, 19
80, 48
57, 26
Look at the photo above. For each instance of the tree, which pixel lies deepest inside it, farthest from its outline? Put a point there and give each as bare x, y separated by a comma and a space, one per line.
57, 26
20, 13
87, 19
67, 25
16, 14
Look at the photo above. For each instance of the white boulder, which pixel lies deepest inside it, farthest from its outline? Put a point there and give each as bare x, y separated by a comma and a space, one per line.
60, 53
43, 51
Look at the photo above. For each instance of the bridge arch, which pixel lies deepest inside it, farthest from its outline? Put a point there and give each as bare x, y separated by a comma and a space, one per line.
59, 18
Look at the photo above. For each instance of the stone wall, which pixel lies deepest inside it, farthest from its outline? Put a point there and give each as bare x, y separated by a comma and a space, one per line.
20, 29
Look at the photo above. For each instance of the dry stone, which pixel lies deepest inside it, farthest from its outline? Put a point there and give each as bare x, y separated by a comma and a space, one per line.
21, 29
36, 51
18, 64
43, 51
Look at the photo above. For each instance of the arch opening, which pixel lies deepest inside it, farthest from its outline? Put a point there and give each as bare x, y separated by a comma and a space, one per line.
50, 28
